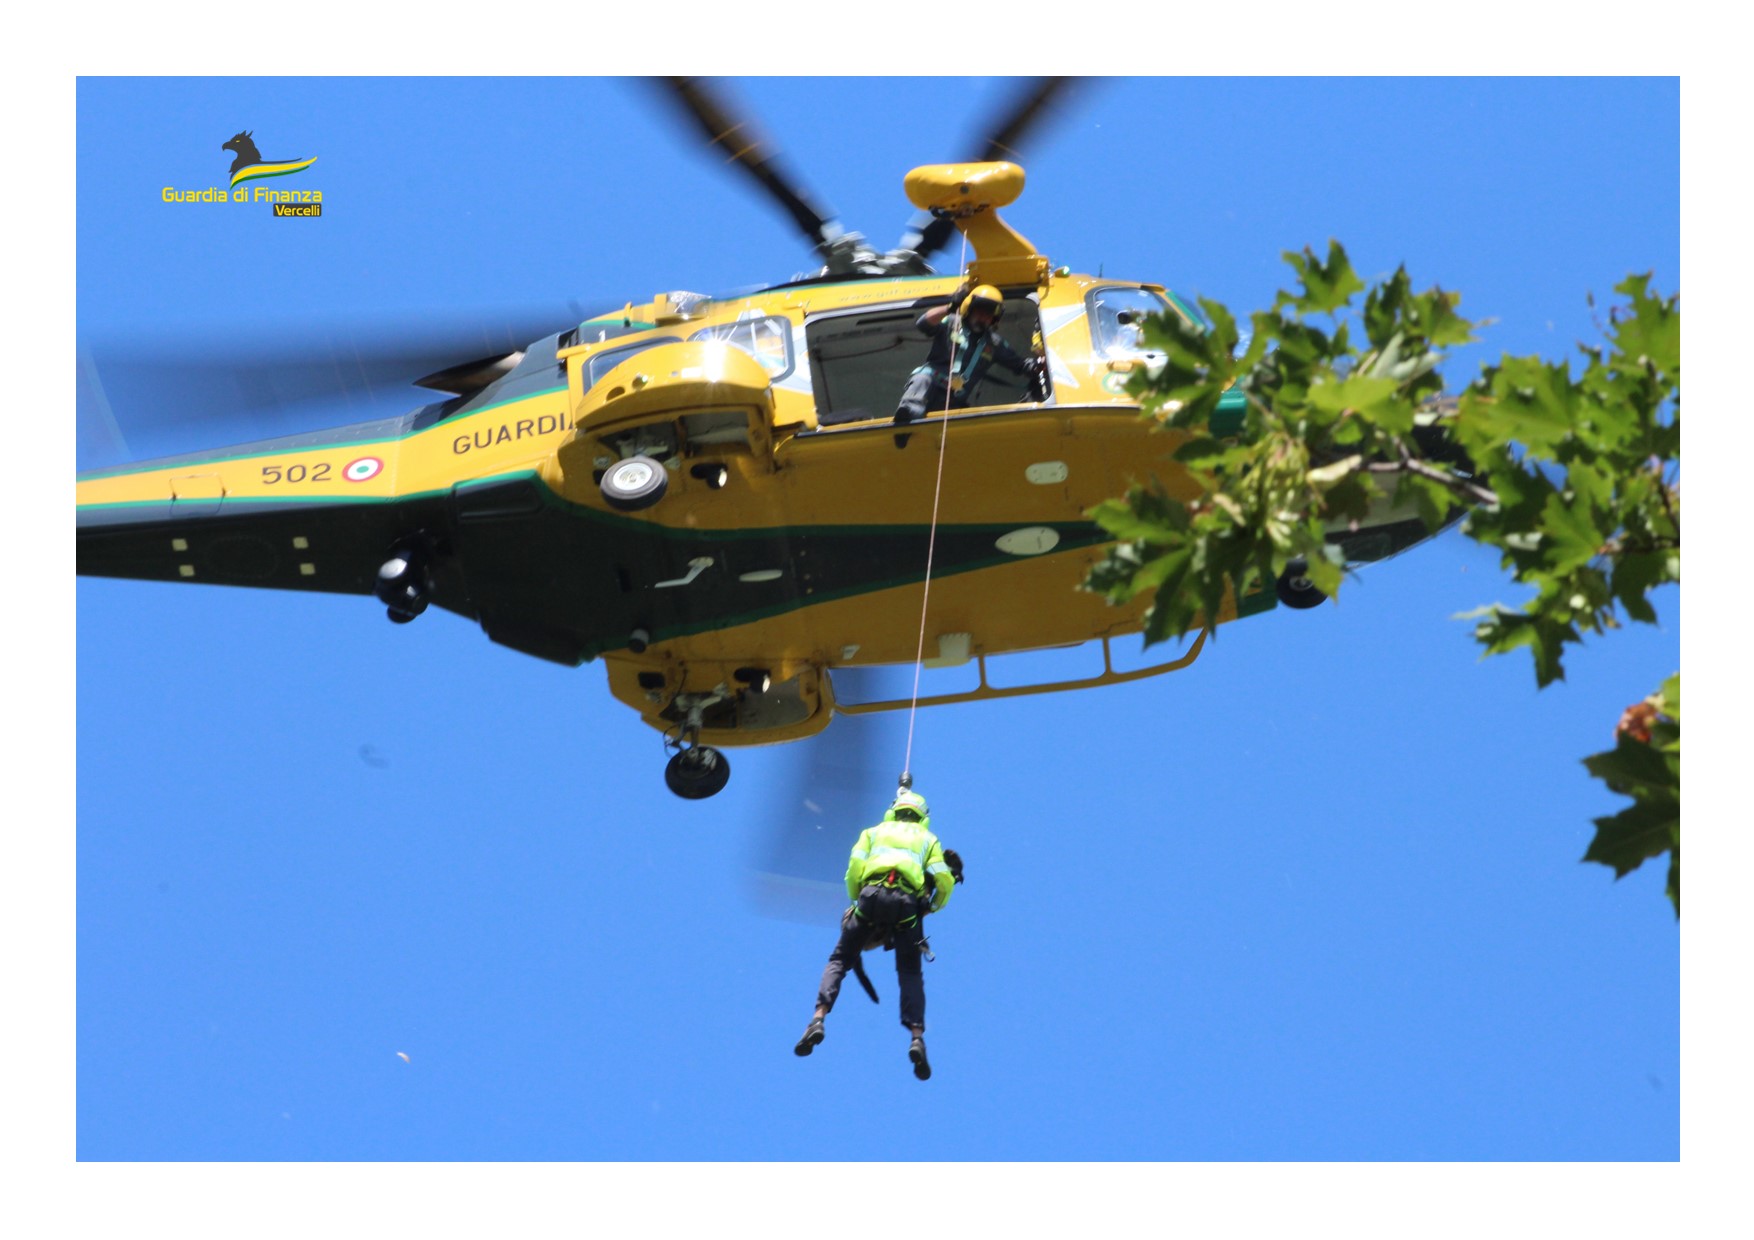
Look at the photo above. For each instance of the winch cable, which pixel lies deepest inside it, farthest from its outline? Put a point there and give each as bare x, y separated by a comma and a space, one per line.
907, 778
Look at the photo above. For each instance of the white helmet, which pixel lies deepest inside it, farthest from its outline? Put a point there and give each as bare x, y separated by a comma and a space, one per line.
907, 798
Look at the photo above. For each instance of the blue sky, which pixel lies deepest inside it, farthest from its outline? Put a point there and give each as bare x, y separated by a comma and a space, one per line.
1316, 898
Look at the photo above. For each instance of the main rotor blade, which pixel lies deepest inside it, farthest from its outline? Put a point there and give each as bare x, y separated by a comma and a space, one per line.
1028, 107
743, 145
162, 394
828, 789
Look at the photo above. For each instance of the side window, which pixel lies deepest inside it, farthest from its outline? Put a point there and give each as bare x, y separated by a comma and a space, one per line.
767, 340
601, 364
1117, 316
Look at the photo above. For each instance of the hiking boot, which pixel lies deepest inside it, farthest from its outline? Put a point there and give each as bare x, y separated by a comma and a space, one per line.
812, 1035
916, 1052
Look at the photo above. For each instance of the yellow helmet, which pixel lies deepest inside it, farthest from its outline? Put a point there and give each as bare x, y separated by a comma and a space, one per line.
983, 297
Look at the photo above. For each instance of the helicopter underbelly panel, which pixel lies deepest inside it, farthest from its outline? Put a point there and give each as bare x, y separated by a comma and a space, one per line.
569, 582
321, 546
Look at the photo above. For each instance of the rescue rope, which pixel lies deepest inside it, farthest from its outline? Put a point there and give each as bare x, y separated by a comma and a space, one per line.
907, 764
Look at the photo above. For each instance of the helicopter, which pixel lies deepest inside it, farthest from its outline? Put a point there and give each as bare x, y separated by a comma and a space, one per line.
709, 494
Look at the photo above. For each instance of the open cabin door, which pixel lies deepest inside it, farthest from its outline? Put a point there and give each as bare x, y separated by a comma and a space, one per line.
860, 360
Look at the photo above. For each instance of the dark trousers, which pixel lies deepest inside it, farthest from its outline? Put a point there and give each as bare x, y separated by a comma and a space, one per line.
880, 909
925, 393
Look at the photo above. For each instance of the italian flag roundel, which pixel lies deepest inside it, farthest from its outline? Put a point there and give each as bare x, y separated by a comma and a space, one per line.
365, 468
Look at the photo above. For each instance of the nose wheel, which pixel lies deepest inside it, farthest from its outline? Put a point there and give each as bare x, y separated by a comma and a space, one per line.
697, 772
638, 482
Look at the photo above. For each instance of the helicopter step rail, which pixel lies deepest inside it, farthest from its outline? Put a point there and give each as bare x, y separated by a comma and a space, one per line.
988, 692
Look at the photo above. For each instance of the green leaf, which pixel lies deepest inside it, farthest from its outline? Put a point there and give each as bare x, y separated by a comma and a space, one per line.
1126, 523
1634, 765
1531, 403
1350, 498
1348, 432
1671, 695
1360, 392
1169, 566
1522, 492
1642, 830
1325, 575
1223, 335
1634, 575
1504, 630
1652, 332
1590, 482
1384, 308
1570, 539
1326, 286
1212, 454
1433, 500
1436, 316
1169, 615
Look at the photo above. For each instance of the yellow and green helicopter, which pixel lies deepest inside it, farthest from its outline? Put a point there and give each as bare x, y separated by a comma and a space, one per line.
710, 495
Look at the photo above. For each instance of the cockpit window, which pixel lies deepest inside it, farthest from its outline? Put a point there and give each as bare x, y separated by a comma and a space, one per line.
1117, 317
767, 340
602, 363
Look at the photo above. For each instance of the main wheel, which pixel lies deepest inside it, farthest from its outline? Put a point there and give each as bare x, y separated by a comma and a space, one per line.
638, 482
401, 586
1295, 589
697, 773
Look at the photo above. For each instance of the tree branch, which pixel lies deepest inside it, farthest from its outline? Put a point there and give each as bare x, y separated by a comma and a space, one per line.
1461, 487
1668, 509
1615, 546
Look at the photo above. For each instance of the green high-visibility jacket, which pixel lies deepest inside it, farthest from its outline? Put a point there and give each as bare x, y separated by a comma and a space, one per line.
908, 848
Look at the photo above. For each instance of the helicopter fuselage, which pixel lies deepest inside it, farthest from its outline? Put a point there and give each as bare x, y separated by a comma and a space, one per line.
792, 522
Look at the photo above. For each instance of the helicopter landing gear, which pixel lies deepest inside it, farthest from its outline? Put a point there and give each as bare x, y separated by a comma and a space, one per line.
638, 482
402, 584
1295, 589
695, 771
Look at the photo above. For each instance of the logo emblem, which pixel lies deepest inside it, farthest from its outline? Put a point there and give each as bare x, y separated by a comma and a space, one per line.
363, 470
255, 179
248, 165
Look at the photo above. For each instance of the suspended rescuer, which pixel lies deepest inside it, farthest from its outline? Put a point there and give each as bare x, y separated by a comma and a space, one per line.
884, 937
965, 345
897, 873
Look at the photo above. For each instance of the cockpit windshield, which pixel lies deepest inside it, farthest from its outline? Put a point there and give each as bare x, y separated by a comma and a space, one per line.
767, 339
1117, 316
